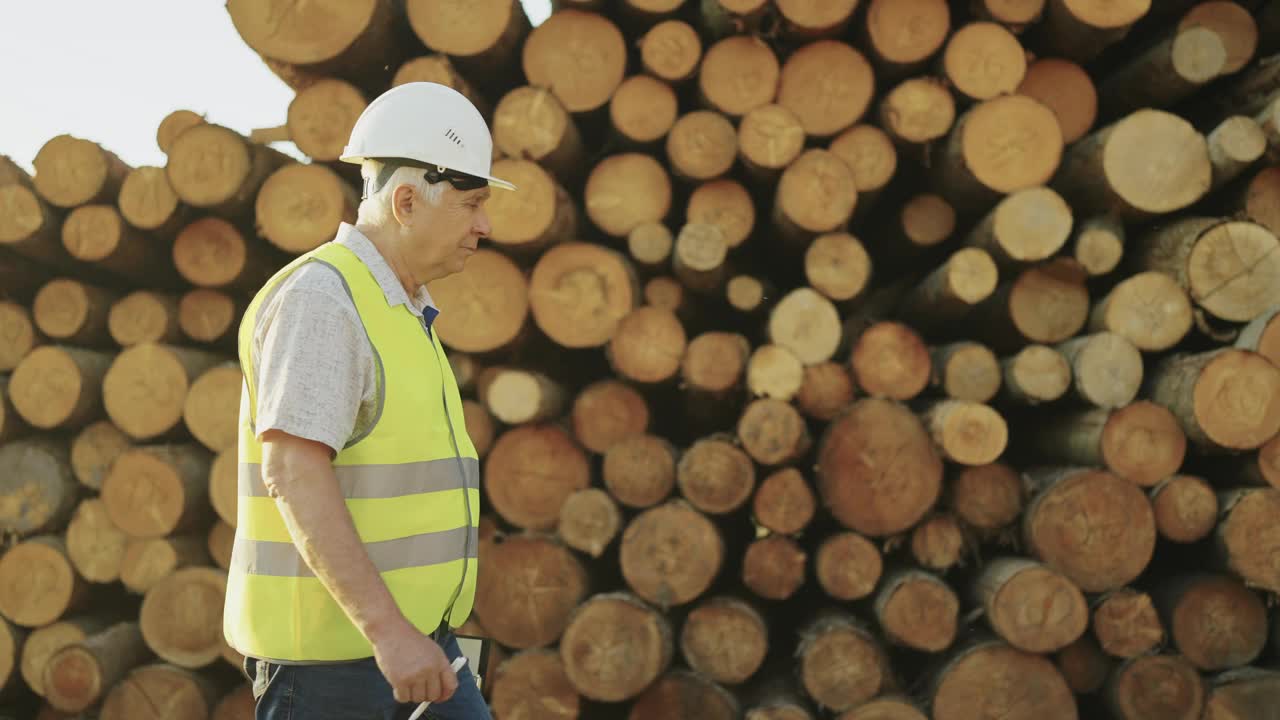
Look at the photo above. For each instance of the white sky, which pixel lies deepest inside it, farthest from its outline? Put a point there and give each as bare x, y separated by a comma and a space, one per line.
110, 70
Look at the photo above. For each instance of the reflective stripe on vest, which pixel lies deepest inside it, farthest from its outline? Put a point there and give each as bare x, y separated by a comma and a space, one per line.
411, 486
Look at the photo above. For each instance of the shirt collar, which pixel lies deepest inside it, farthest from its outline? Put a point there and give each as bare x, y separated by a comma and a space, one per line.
420, 304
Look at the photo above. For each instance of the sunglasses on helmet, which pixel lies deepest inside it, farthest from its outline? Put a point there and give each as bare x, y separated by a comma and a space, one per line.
434, 174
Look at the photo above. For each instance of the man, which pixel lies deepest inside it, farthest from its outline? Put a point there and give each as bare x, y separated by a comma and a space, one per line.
355, 550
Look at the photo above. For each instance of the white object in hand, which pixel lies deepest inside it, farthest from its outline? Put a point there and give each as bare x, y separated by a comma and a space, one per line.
457, 665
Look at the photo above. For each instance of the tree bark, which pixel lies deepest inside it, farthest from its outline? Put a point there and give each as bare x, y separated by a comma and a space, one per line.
1222, 398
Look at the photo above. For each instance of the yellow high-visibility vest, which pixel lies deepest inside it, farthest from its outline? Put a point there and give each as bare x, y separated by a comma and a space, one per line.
411, 486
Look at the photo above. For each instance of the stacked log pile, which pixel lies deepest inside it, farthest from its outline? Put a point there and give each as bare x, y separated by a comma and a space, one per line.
855, 359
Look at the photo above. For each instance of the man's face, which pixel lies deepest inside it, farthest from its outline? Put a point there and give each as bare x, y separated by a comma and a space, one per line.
443, 236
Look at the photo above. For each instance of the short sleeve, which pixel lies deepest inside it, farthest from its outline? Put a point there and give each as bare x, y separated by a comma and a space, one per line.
311, 358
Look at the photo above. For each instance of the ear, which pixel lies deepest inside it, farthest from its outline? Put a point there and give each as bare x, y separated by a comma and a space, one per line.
402, 203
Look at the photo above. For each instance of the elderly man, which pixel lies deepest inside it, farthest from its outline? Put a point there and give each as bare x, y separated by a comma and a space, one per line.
355, 549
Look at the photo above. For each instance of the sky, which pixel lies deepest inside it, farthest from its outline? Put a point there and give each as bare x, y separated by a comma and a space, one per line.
110, 70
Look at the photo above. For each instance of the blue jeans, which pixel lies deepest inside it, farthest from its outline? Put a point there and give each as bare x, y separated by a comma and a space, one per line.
352, 691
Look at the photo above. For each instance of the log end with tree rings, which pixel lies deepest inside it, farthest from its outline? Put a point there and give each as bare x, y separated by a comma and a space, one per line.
984, 60
1030, 606
773, 432
870, 153
919, 110
211, 252
884, 708
589, 521
702, 145
966, 371
671, 50
938, 542
828, 85
726, 204
40, 582
299, 206
1234, 270
152, 491
648, 345
838, 266
883, 497
531, 218
698, 258
1027, 226
93, 233
211, 408
725, 639
94, 544
19, 333
321, 117
174, 124
1037, 374
1233, 23
1106, 368
770, 137
918, 610
72, 171
848, 566
1091, 525
1149, 309
671, 554
890, 360
1143, 442
64, 309
650, 245
1235, 144
305, 36
808, 19
146, 387
714, 362
1157, 686
530, 122
37, 488
987, 497
1011, 142
581, 56
529, 472
1246, 538
1083, 665
437, 68
746, 294
905, 34
1126, 623
488, 303
841, 664
459, 31
1049, 303
825, 389
93, 451
208, 164
1215, 621
715, 476
807, 324
738, 74
967, 433
1183, 176
773, 371
26, 219
579, 293
615, 646
681, 693
988, 679
816, 192
927, 220
532, 684
1236, 400
643, 109
533, 585
59, 387
626, 190
640, 470
1261, 200
607, 412
1067, 89
179, 617
206, 315
784, 503
773, 567
144, 316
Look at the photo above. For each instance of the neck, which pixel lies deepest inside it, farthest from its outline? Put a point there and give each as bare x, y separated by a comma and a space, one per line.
388, 246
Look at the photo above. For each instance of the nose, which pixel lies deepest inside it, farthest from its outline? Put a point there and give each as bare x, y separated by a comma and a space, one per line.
481, 225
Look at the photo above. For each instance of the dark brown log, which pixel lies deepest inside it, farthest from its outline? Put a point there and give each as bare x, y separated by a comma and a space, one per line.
146, 387
784, 503
532, 684
581, 56
965, 370
726, 204
59, 387
987, 497
640, 470
966, 432
773, 567
530, 471
916, 609
848, 566
615, 646
94, 543
180, 617
589, 521
643, 110
1244, 693
40, 584
533, 585
988, 679
217, 169
886, 495
725, 639
1156, 686
18, 334
153, 491
671, 51
685, 694
79, 676
1126, 624
606, 412
749, 295
531, 122
1035, 374
773, 371
1141, 441
37, 489
890, 360
299, 206
773, 432
965, 279
1224, 399
938, 542
715, 475
1186, 508
1215, 621
1031, 606
1092, 526
807, 324
841, 664
147, 562
983, 60
825, 390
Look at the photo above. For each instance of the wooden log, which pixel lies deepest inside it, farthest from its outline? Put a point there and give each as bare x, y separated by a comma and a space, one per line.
1106, 369
841, 663
885, 708
643, 110
698, 257
728, 17
938, 542
773, 371
917, 610
37, 490
984, 678
1034, 375
208, 316
438, 68
155, 691
1214, 621
825, 389
1231, 22
806, 20
770, 137
12, 426
1262, 334
1247, 692
807, 324
725, 639
965, 279
671, 51
1241, 544
918, 111
1186, 508
219, 543
145, 389
79, 676
639, 470
517, 396
1066, 89
540, 213
1262, 468
902, 36
1031, 606
1181, 63
848, 566
1149, 309
144, 316
300, 205
12, 639
890, 494
615, 646
607, 412
1235, 144
1084, 666
147, 562
1156, 686
1082, 30
784, 503
589, 521
217, 169
1109, 171
489, 303
534, 586
1223, 398
1008, 143
1126, 624
1229, 268
532, 684
1098, 244
19, 334
59, 387
179, 617
1091, 525
983, 60
738, 74
29, 227
1257, 201
320, 117
965, 370
828, 85
581, 56
1015, 15
530, 122
1140, 441
213, 253
649, 246
726, 204
529, 472
44, 641
224, 485
715, 476
211, 408
712, 369
40, 583
153, 491
173, 125
966, 432
1027, 226
773, 432
98, 234
987, 497
870, 154
773, 567
647, 345
73, 171
568, 311
670, 554
74, 312
923, 222
701, 146
815, 195
1046, 304
890, 360
778, 696
94, 543
749, 295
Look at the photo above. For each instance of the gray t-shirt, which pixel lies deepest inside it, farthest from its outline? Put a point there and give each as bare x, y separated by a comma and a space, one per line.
316, 374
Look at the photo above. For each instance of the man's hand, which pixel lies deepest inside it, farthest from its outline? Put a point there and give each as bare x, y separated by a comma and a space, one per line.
415, 665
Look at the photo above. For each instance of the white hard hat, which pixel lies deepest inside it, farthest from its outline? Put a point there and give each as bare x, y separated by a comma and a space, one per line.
426, 124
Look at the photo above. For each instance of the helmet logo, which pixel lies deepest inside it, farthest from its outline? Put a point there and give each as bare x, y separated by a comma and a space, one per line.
454, 137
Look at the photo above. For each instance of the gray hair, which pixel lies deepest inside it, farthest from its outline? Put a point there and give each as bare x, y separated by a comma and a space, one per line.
376, 209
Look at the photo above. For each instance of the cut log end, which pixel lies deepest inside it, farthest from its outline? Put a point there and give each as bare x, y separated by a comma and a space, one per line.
715, 475
94, 543
816, 193
300, 205
1186, 508
39, 582
967, 683
18, 333
773, 567
322, 115
648, 345
984, 60
73, 171
918, 110
1226, 398
1234, 269
180, 617
529, 472
918, 610
724, 639
727, 205
737, 74
1143, 442
1106, 369
1157, 686
211, 408
627, 190
650, 244
841, 665
206, 315
1216, 622
938, 542
1010, 143
1149, 309
927, 220
615, 647
640, 470
714, 362
527, 598
644, 109
775, 372
967, 371
702, 145
1030, 606
773, 432
891, 360
828, 85
58, 386
988, 497
579, 294
967, 433
1126, 624
825, 390
870, 153
671, 554
1247, 545
1083, 665
770, 137
1049, 303
152, 491
905, 34
589, 521
489, 303
607, 412
848, 566
784, 502
1037, 374
671, 50
581, 56
146, 387
533, 685
144, 316
807, 324
1233, 23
